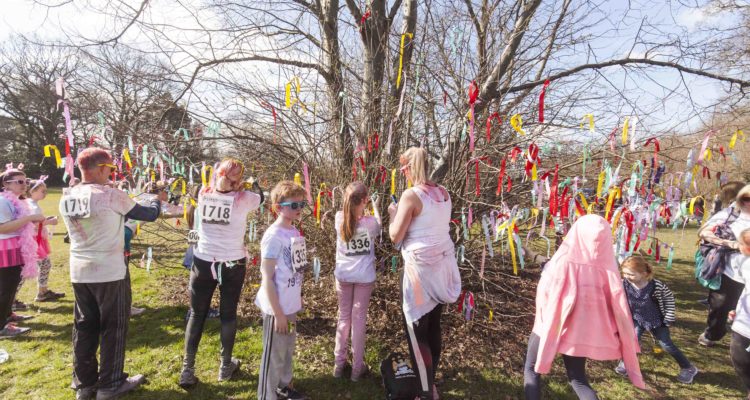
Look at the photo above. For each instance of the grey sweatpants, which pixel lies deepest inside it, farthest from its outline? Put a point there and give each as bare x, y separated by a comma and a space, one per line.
276, 360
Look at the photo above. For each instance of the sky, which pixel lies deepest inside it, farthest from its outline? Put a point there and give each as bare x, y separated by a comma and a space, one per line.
644, 91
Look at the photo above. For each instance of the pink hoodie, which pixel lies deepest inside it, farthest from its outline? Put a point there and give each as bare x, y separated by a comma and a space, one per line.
581, 306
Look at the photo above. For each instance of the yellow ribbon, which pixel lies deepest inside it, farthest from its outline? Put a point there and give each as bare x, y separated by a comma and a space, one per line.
707, 155
590, 118
533, 172
393, 181
491, 315
599, 186
126, 157
206, 176
137, 228
512, 245
583, 201
625, 131
321, 189
733, 141
184, 187
298, 179
517, 123
288, 100
613, 193
401, 57
47, 153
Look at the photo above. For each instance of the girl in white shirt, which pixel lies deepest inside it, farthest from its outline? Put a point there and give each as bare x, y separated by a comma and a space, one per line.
355, 275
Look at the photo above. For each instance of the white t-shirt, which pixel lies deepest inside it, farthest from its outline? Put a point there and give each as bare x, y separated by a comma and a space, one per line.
96, 241
741, 322
223, 222
7, 214
355, 260
737, 260
277, 245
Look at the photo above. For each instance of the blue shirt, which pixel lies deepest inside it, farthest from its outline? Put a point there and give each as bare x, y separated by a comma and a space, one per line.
645, 311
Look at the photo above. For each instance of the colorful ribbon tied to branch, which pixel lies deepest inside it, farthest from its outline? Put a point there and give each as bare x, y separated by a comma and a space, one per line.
473, 94
401, 57
541, 101
51, 149
590, 118
126, 157
290, 100
733, 141
495, 116
655, 141
625, 126
516, 121
704, 145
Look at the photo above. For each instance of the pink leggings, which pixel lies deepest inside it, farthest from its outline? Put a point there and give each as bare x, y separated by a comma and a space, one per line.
353, 301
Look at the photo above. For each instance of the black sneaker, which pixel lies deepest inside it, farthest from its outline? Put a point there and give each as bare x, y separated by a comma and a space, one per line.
288, 393
19, 306
188, 378
226, 371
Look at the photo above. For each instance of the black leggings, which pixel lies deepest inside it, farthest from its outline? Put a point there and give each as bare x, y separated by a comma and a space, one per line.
10, 278
720, 303
202, 286
425, 345
574, 366
741, 358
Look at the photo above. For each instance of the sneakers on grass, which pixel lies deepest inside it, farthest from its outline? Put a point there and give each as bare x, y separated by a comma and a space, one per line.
686, 375
338, 371
11, 330
129, 385
620, 369
704, 341
135, 311
86, 394
288, 393
357, 374
18, 318
48, 296
188, 378
226, 372
19, 306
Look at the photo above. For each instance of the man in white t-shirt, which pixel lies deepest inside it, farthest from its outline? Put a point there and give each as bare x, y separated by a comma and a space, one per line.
94, 214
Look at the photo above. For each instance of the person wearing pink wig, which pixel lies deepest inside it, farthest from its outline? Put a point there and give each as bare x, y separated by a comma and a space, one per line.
581, 311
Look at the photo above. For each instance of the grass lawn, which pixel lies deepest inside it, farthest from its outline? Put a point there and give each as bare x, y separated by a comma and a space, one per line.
40, 364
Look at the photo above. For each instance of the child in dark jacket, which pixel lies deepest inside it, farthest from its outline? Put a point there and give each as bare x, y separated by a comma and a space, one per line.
652, 305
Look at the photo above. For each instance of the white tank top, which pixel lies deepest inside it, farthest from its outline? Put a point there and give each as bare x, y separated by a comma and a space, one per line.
433, 222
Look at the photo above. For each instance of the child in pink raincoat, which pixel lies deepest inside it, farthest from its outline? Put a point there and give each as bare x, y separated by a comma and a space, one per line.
581, 311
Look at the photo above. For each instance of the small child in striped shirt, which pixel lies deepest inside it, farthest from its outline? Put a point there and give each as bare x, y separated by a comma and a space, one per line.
652, 306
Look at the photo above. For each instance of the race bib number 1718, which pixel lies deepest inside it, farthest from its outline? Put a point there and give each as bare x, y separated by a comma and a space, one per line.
216, 209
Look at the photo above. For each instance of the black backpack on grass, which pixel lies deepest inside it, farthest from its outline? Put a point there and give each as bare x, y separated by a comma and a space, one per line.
399, 377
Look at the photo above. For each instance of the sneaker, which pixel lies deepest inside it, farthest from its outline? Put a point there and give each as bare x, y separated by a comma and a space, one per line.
48, 296
620, 369
86, 393
338, 371
288, 393
11, 330
128, 386
135, 311
188, 378
686, 375
18, 318
358, 374
226, 371
705, 341
19, 306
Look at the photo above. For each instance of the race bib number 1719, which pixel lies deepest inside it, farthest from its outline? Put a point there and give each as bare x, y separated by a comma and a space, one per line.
76, 204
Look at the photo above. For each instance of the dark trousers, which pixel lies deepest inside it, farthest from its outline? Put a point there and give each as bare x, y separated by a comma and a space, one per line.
102, 312
202, 286
661, 334
741, 358
574, 366
425, 346
720, 303
10, 278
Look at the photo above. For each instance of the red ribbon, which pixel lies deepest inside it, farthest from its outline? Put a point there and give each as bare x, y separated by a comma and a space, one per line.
706, 171
628, 217
382, 174
500, 177
354, 167
514, 153
553, 193
580, 209
473, 94
477, 181
494, 116
91, 140
541, 101
655, 141
612, 138
532, 156
273, 111
364, 18
721, 151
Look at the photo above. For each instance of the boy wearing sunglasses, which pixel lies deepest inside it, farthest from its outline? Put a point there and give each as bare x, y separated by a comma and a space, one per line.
280, 296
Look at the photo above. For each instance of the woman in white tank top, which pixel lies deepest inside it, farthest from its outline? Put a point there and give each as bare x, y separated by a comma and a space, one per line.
421, 222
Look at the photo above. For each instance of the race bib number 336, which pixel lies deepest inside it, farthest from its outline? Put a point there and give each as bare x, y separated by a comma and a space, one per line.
76, 204
299, 254
216, 209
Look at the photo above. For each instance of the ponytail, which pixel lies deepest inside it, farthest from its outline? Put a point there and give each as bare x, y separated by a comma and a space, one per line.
354, 194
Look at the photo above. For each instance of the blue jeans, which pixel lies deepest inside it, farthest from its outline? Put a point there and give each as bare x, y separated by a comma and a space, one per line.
661, 334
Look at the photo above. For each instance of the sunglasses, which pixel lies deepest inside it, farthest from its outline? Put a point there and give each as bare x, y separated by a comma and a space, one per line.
111, 166
294, 204
20, 181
